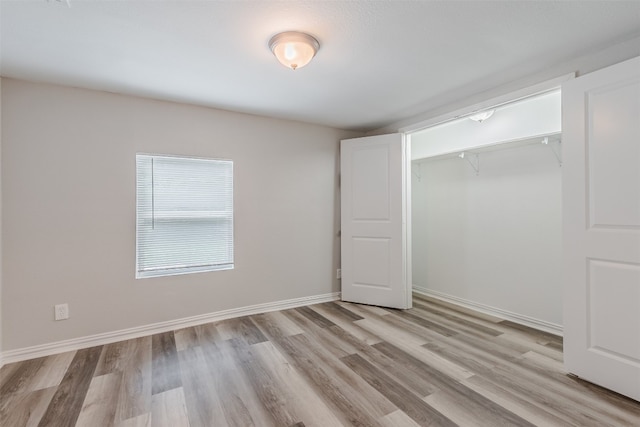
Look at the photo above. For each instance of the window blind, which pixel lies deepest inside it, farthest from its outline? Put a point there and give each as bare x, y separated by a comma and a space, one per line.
184, 215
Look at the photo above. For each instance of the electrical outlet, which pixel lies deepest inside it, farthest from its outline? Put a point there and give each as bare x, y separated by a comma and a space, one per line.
61, 311
339, 273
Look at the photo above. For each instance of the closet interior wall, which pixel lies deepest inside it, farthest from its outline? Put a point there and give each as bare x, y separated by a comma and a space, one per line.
493, 238
487, 211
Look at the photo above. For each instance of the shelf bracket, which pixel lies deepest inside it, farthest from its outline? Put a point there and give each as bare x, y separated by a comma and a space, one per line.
418, 172
473, 160
555, 148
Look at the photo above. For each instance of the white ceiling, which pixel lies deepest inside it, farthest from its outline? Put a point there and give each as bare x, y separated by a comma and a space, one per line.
379, 61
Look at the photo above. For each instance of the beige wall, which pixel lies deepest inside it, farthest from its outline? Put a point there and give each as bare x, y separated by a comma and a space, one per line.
68, 164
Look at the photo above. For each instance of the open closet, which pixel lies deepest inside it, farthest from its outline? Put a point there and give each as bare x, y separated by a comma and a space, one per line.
486, 211
480, 207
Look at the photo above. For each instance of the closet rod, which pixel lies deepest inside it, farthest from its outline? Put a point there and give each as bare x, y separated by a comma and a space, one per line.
502, 145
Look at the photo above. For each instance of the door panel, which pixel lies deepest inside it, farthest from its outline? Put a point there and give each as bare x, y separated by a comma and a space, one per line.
373, 244
601, 226
617, 168
613, 305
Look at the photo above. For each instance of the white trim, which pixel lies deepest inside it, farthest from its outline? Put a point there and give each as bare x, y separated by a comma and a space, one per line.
170, 325
521, 319
537, 89
407, 233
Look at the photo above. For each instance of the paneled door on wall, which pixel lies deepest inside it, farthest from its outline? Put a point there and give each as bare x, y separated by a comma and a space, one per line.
374, 221
601, 223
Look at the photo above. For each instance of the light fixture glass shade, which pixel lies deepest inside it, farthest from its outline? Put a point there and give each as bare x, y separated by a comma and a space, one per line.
293, 49
482, 116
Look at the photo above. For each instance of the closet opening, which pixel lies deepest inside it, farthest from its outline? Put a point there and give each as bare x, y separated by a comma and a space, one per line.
486, 211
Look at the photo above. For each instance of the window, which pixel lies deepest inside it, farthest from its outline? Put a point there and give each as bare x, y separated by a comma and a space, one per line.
184, 215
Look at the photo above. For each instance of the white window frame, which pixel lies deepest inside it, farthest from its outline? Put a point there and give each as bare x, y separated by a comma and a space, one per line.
145, 212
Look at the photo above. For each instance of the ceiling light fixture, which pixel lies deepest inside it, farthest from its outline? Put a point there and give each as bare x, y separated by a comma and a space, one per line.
482, 116
293, 49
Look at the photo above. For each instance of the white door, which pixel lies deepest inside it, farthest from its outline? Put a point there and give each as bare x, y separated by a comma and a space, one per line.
374, 221
601, 214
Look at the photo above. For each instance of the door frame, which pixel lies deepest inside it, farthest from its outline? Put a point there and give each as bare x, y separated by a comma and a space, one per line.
409, 130
406, 216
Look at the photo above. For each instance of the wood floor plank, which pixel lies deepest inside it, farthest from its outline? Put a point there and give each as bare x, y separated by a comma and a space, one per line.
615, 400
433, 305
380, 361
296, 395
241, 404
521, 406
201, 395
448, 405
421, 321
241, 328
52, 371
390, 332
398, 419
328, 364
339, 348
363, 310
134, 398
415, 347
418, 410
339, 311
114, 357
454, 321
315, 317
347, 403
516, 385
527, 384
165, 370
347, 323
545, 367
407, 324
486, 347
143, 420
524, 333
429, 309
310, 406
563, 389
186, 338
522, 345
25, 409
7, 370
452, 394
168, 409
276, 326
265, 386
100, 404
468, 313
216, 389
306, 349
66, 403
208, 334
21, 376
540, 337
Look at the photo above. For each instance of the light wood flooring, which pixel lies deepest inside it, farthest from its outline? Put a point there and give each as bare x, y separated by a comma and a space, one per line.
329, 364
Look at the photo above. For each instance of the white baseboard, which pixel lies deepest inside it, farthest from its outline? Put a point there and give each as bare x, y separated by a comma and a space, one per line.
531, 322
140, 331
